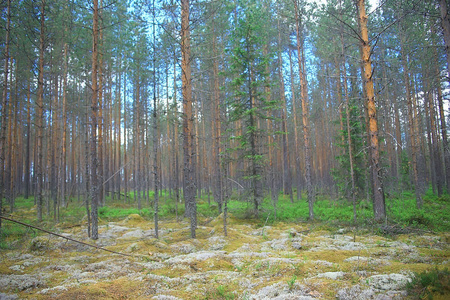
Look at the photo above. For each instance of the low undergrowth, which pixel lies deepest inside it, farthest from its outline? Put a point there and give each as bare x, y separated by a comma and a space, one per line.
430, 283
401, 212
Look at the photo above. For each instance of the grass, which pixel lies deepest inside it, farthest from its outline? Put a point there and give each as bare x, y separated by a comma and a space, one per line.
12, 233
401, 210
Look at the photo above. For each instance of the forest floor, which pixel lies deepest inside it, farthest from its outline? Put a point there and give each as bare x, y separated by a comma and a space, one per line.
282, 261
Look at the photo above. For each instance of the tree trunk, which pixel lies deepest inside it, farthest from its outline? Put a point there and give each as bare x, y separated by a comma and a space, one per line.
125, 141
305, 111
40, 118
445, 22
217, 128
94, 125
28, 145
296, 140
287, 178
155, 132
175, 146
348, 116
119, 133
87, 175
446, 149
188, 118
378, 191
54, 151
4, 109
64, 129
100, 147
411, 121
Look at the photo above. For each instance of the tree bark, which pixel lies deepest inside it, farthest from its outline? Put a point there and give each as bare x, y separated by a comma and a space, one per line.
445, 22
348, 116
446, 149
217, 128
4, 108
411, 121
188, 118
28, 145
94, 125
40, 118
155, 133
64, 129
305, 112
287, 178
296, 139
378, 191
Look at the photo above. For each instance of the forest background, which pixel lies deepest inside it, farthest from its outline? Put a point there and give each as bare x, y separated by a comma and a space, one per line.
277, 110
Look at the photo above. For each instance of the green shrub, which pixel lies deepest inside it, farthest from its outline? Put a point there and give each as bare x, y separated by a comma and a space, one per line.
429, 283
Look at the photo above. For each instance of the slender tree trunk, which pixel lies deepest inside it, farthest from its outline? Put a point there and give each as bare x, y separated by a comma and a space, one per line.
398, 137
94, 125
305, 111
11, 153
137, 145
287, 178
197, 143
175, 146
125, 141
412, 131
40, 118
188, 118
348, 116
217, 185
28, 144
119, 134
444, 137
54, 151
87, 173
155, 132
100, 101
295, 125
445, 22
435, 153
378, 191
169, 144
64, 129
4, 108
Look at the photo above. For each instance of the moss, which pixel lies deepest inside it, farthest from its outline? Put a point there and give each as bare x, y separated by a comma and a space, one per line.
134, 219
117, 289
331, 255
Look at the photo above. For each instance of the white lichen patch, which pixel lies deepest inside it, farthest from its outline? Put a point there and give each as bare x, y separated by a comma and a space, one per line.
280, 261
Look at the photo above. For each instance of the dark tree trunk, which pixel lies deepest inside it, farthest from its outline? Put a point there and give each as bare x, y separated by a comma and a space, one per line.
188, 119
94, 125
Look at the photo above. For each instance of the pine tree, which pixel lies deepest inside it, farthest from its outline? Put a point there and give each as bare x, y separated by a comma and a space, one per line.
188, 118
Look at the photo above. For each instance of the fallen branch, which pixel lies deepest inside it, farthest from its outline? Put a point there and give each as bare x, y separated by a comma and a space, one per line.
65, 237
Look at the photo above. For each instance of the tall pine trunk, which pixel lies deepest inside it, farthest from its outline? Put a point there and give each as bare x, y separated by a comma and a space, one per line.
188, 118
295, 125
411, 120
40, 118
377, 185
4, 110
445, 22
305, 111
94, 126
155, 133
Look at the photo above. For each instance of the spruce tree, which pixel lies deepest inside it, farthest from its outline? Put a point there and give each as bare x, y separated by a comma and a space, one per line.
249, 104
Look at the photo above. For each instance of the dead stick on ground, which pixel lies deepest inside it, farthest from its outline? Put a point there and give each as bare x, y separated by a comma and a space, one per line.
65, 237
